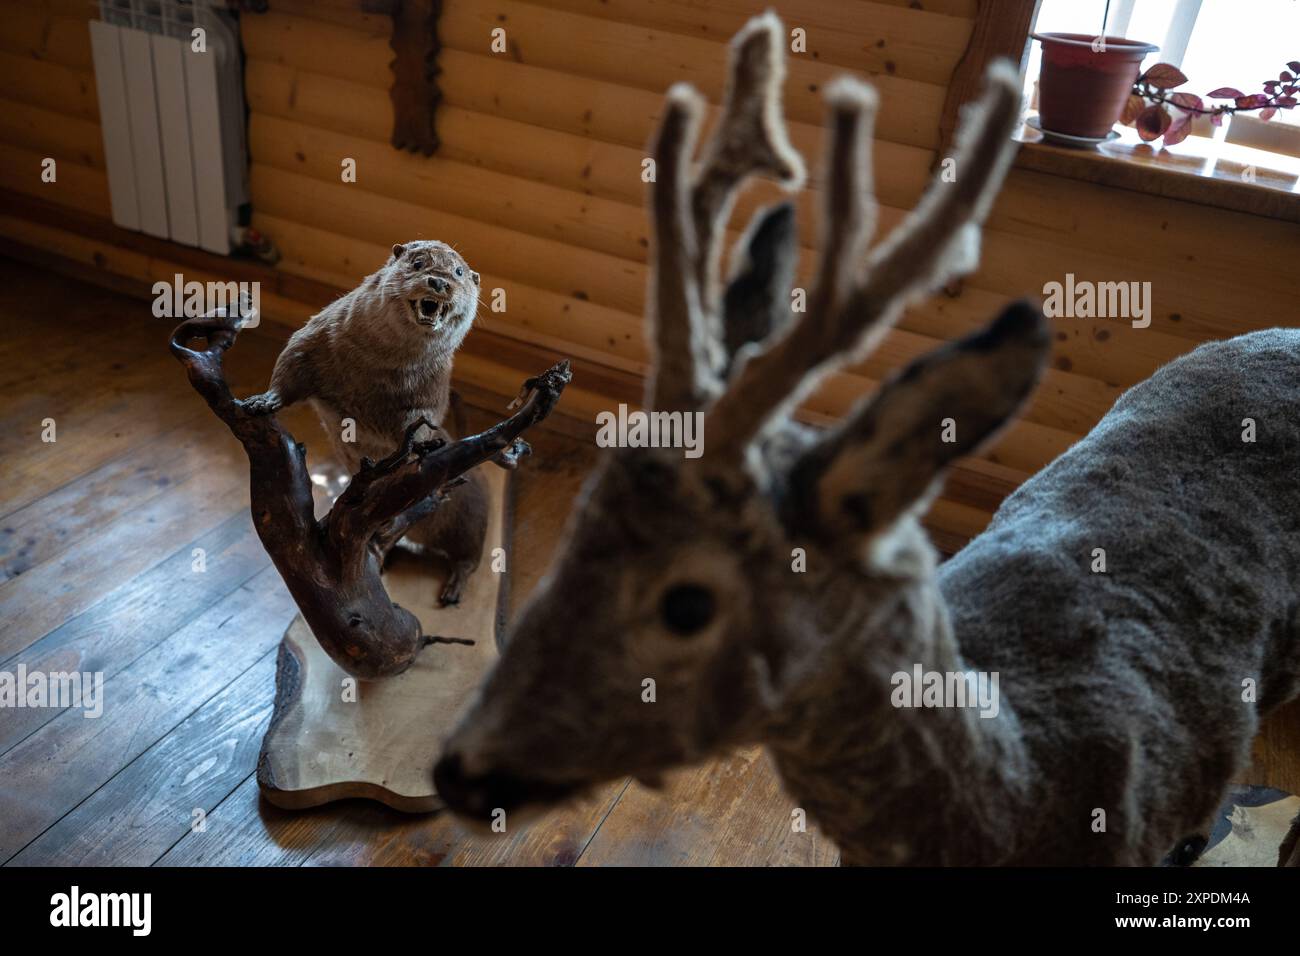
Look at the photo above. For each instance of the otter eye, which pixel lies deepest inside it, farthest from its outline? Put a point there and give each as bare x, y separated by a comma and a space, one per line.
687, 608
419, 263
458, 272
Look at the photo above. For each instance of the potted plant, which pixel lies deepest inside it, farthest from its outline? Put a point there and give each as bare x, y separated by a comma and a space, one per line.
1085, 81
1149, 102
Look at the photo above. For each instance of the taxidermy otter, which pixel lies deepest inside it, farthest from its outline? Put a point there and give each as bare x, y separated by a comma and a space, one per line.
381, 356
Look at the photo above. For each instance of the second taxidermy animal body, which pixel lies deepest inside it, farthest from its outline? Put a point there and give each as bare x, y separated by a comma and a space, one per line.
381, 356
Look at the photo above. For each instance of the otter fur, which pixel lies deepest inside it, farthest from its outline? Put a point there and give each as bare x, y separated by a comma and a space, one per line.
381, 356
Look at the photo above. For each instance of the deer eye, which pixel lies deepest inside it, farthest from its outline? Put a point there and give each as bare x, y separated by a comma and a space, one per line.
687, 608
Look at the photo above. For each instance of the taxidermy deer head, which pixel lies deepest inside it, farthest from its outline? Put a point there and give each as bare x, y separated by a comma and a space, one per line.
685, 572
777, 587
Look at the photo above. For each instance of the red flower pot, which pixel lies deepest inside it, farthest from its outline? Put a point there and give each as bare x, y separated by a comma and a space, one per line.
1081, 90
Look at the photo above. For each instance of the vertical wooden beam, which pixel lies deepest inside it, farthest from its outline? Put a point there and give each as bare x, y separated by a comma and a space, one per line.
415, 91
1001, 30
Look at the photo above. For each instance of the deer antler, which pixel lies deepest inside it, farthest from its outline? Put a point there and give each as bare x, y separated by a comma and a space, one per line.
690, 211
332, 566
857, 296
853, 306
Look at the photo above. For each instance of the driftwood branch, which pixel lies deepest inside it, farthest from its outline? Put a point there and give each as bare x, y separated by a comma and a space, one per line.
332, 566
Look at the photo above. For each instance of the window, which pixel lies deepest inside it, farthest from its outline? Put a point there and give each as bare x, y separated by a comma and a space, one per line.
1214, 42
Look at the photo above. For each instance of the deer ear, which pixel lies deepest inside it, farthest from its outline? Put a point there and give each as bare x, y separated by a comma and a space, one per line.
398, 249
757, 304
885, 459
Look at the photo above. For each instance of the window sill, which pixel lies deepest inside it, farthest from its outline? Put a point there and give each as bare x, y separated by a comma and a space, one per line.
1197, 170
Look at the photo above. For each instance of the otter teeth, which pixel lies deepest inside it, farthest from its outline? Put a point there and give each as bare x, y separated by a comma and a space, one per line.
430, 312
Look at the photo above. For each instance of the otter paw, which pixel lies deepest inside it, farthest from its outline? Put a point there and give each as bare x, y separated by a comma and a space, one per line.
264, 404
451, 591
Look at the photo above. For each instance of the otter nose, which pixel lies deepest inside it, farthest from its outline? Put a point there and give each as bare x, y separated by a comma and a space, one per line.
437, 284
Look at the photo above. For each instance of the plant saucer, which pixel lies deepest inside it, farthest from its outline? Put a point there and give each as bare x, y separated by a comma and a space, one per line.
1065, 139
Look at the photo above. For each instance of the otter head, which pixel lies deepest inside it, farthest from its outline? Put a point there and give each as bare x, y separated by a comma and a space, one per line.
435, 288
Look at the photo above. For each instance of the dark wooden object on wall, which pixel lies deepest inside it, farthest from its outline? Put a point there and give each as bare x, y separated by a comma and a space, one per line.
415, 92
332, 565
1001, 29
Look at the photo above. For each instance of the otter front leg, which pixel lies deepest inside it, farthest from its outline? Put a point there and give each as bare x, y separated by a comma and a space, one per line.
291, 382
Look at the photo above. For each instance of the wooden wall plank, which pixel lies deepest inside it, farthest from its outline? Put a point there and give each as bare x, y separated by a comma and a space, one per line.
51, 86
1190, 298
77, 186
562, 43
49, 133
653, 60
1200, 260
467, 190
37, 33
922, 44
533, 101
865, 37
952, 8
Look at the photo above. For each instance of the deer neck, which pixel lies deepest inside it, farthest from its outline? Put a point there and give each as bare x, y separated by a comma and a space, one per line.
893, 783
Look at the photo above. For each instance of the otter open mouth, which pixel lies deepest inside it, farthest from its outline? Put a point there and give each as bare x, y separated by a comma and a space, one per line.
431, 312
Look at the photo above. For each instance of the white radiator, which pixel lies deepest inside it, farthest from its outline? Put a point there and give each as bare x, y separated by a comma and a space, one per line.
172, 119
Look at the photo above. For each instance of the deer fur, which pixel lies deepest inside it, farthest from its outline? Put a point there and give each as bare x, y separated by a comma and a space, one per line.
1121, 693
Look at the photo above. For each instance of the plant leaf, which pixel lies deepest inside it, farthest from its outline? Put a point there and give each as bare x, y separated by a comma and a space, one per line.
1152, 122
1217, 119
1178, 130
1132, 107
1285, 77
1267, 114
1188, 101
1287, 101
1252, 102
1164, 76
1225, 93
1294, 66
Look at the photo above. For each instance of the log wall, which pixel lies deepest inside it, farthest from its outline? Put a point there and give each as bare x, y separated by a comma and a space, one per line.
538, 183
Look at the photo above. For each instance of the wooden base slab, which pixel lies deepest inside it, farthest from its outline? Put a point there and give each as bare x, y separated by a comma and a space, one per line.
332, 738
1250, 828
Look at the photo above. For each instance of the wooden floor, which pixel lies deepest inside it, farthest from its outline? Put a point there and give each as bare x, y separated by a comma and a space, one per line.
97, 537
